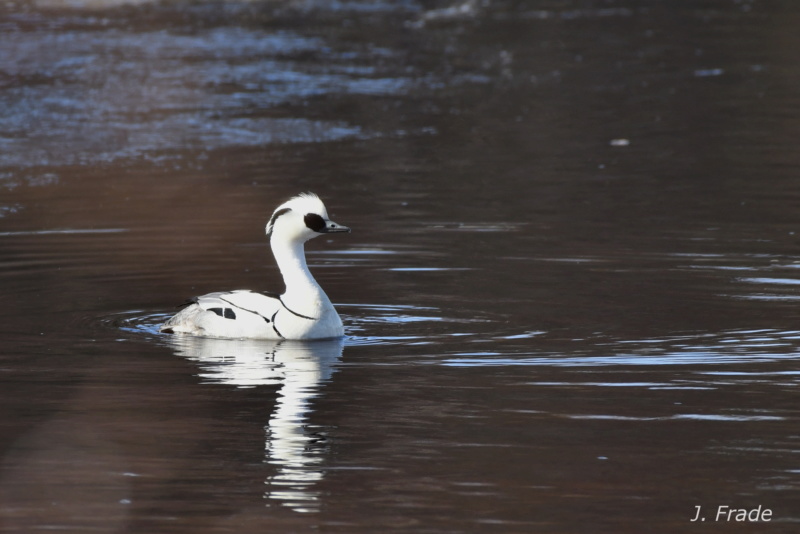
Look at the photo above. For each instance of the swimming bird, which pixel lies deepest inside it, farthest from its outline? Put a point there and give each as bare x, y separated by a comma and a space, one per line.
303, 311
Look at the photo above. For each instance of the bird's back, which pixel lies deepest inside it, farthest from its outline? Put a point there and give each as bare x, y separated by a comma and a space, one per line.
230, 314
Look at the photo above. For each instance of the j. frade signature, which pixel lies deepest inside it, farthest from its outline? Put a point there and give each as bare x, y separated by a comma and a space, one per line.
725, 513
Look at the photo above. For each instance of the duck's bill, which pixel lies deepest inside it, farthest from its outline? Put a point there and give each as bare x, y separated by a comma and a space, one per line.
334, 228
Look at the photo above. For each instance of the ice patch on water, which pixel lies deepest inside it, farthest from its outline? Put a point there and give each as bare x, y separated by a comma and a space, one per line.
82, 96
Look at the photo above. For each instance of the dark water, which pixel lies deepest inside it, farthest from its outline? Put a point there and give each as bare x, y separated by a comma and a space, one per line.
570, 292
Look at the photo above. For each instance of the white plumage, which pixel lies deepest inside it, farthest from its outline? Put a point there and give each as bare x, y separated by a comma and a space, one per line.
303, 311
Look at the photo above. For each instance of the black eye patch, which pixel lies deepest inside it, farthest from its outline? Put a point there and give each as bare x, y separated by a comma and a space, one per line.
315, 222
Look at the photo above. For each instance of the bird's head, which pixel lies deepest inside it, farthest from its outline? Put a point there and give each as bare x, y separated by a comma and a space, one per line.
302, 218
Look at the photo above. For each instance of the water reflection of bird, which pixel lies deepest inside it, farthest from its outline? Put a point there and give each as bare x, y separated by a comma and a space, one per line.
293, 446
303, 311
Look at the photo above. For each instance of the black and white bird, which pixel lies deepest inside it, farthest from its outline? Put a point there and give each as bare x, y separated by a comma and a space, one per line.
303, 311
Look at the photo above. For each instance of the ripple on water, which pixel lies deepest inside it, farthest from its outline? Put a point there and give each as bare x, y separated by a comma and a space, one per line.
368, 325
361, 321
663, 374
137, 322
725, 348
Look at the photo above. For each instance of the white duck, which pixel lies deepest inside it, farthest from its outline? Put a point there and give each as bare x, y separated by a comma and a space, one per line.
303, 311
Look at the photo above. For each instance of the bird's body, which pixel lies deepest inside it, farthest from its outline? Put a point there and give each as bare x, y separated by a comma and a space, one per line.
303, 311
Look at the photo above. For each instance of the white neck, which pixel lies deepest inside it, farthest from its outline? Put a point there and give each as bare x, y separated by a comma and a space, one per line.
303, 294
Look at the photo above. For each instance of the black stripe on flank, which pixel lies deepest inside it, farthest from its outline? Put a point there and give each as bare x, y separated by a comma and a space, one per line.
297, 314
275, 327
227, 313
239, 307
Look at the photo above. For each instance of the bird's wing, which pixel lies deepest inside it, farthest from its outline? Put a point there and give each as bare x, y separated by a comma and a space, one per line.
241, 299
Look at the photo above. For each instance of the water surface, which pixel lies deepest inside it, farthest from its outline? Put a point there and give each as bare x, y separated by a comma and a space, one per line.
569, 295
